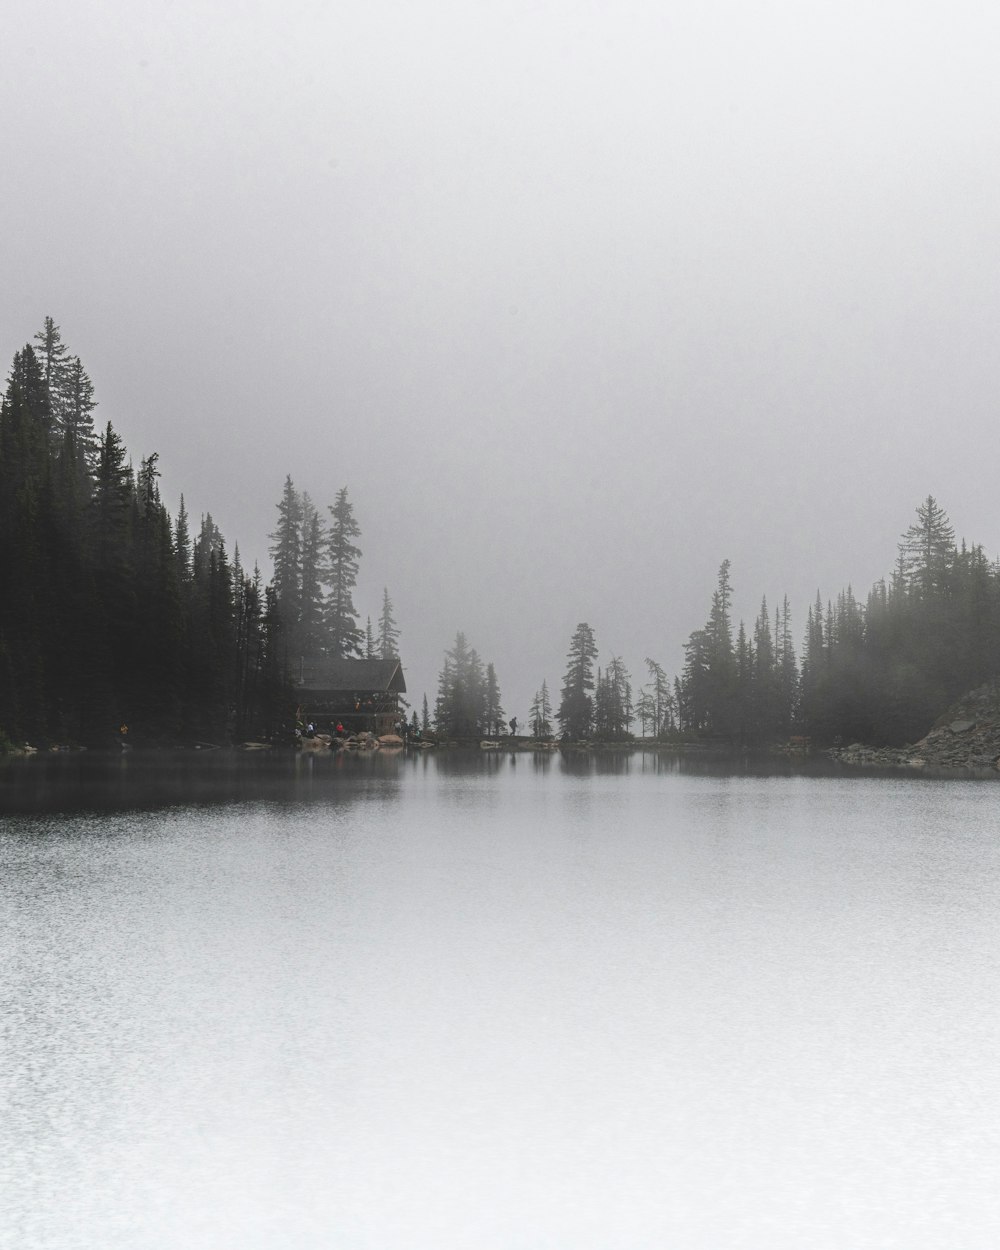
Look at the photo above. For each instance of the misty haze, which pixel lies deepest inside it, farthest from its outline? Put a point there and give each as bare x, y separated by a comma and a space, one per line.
499, 626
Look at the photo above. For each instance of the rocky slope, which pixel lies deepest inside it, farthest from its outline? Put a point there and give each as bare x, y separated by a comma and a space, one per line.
965, 740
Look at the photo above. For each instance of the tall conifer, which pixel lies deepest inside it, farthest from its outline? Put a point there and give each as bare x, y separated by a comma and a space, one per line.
344, 636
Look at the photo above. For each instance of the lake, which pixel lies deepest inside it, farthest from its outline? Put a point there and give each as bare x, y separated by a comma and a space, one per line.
485, 1002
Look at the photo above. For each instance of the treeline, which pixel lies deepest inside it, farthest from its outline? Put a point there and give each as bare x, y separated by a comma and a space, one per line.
604, 705
116, 621
114, 618
883, 671
595, 704
879, 671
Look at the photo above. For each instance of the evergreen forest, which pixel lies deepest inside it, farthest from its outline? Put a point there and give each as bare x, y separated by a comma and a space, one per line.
120, 622
878, 671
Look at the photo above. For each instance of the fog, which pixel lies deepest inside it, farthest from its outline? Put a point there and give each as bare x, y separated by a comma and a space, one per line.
578, 300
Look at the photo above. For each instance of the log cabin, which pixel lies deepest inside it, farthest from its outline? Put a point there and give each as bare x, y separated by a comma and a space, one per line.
362, 695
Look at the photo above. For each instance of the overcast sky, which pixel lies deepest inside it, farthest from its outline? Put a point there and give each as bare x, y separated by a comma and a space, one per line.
576, 299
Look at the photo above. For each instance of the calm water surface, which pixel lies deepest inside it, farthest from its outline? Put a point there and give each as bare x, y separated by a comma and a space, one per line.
495, 1003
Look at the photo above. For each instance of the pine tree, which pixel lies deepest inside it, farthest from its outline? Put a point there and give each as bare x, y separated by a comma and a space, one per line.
721, 658
693, 687
788, 672
493, 713
27, 383
645, 711
275, 694
927, 551
154, 658
113, 515
743, 702
476, 695
709, 700
286, 552
111, 508
576, 711
212, 662
182, 545
52, 357
308, 632
76, 407
249, 629
342, 626
764, 699
613, 714
719, 627
814, 675
540, 713
388, 634
208, 544
460, 709
663, 701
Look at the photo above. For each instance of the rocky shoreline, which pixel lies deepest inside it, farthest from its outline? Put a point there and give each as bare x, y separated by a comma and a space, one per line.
965, 741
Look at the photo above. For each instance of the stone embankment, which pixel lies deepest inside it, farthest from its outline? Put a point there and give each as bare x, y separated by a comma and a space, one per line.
966, 740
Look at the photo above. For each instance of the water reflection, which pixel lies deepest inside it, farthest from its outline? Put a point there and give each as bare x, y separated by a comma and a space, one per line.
622, 763
581, 763
464, 761
109, 782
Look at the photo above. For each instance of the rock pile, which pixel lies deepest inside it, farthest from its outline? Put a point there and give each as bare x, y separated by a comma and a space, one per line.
966, 739
858, 755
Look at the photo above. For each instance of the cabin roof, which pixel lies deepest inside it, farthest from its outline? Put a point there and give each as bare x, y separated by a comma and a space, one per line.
324, 673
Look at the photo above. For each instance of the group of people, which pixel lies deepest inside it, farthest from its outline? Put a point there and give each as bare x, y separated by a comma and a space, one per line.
406, 729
